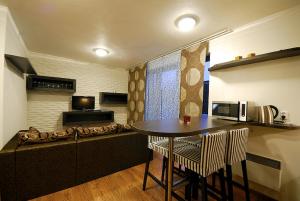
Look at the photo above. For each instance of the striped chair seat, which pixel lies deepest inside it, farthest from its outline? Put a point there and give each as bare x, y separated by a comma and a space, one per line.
205, 158
153, 139
162, 146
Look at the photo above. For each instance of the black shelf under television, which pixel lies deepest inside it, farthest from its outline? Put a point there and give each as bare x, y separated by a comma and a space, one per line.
113, 98
45, 83
87, 116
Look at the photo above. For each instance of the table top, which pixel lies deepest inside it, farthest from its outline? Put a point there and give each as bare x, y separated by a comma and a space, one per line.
176, 128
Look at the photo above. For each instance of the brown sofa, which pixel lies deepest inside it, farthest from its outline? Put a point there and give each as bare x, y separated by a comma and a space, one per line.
31, 171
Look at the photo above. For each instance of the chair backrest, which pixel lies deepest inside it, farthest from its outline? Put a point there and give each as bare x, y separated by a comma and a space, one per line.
236, 145
212, 152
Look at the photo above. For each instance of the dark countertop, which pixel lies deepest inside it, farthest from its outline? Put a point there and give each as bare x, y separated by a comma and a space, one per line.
176, 128
274, 125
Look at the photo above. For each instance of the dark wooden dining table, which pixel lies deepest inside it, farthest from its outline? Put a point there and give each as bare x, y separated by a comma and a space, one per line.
176, 128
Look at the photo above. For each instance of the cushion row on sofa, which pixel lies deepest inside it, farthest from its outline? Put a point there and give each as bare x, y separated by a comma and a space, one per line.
34, 136
103, 130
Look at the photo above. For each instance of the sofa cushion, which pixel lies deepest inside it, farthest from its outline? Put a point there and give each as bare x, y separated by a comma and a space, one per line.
34, 136
102, 130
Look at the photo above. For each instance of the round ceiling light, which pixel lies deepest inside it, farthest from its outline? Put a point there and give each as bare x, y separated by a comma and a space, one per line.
101, 52
186, 23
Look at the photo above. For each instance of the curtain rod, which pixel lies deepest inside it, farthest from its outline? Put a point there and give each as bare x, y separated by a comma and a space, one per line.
213, 36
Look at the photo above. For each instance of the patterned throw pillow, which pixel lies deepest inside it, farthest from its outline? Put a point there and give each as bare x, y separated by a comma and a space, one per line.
103, 130
124, 128
34, 136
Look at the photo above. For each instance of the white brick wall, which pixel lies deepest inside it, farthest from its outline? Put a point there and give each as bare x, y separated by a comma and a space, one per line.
45, 108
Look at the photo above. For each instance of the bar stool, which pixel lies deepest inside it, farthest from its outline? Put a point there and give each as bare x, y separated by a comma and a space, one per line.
160, 145
192, 140
236, 147
151, 140
205, 159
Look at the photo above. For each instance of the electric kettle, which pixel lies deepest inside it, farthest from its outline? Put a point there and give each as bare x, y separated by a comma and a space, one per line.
267, 114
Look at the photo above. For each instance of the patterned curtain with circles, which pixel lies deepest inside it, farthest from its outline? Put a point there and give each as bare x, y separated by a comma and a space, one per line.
136, 93
192, 76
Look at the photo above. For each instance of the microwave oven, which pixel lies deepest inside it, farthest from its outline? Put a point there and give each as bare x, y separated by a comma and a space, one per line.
234, 110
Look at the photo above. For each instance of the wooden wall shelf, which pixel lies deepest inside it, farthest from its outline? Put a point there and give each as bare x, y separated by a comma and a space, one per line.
87, 117
259, 58
22, 64
113, 98
44, 83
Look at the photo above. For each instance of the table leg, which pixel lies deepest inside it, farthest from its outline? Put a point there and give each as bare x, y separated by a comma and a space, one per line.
170, 168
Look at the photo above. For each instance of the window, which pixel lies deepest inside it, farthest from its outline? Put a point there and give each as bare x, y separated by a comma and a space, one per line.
206, 86
162, 88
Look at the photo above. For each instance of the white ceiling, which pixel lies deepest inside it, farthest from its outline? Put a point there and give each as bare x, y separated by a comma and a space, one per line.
132, 30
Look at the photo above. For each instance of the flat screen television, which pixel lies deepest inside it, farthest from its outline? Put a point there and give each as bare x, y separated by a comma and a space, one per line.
83, 102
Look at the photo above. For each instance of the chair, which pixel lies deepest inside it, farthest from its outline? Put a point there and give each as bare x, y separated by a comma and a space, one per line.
151, 140
236, 147
160, 145
205, 159
192, 140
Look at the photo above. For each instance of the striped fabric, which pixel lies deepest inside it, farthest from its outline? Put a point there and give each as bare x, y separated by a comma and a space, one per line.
162, 146
206, 158
153, 139
236, 145
192, 140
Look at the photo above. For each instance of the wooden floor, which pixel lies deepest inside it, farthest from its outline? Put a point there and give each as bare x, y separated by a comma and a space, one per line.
125, 185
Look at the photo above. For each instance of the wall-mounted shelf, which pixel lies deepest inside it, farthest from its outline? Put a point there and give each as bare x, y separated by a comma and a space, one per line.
44, 83
113, 98
259, 58
275, 125
86, 117
21, 63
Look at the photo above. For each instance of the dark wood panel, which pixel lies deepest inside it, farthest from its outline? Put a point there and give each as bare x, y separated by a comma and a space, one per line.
259, 58
87, 117
113, 98
21, 63
175, 128
45, 83
274, 125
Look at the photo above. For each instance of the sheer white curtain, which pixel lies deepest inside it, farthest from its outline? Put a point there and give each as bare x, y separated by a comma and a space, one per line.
162, 87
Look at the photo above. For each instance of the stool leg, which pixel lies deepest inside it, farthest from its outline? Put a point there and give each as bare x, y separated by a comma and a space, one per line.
222, 183
229, 182
166, 185
188, 191
163, 169
195, 185
150, 152
245, 178
204, 189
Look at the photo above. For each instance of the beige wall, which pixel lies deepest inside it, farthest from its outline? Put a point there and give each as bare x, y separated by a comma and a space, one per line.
273, 82
45, 109
13, 87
